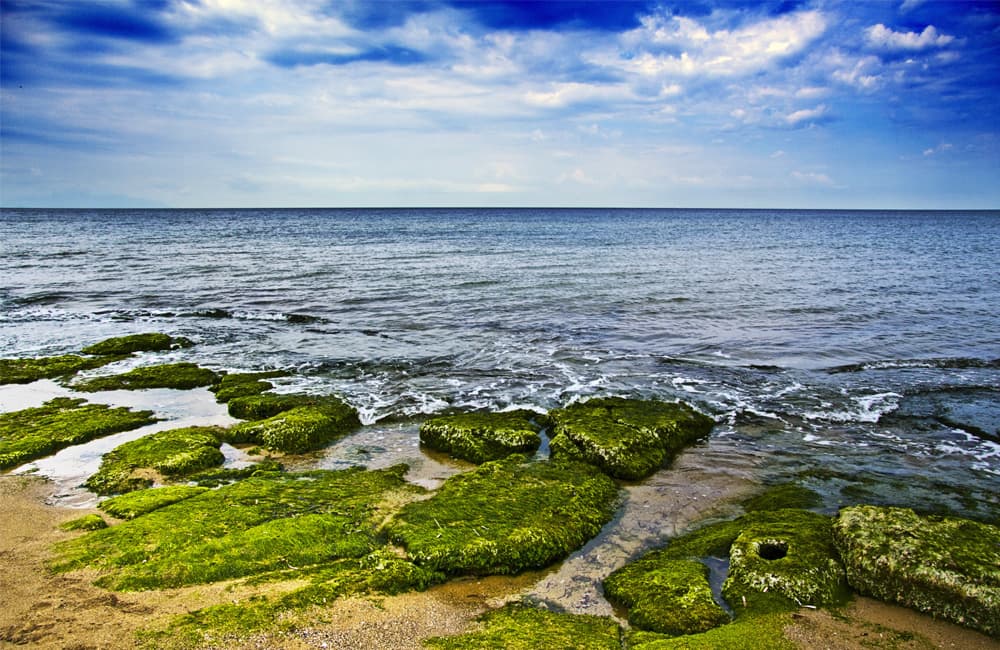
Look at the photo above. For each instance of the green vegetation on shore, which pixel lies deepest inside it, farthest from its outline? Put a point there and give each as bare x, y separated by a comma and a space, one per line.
133, 504
25, 371
479, 437
521, 627
36, 432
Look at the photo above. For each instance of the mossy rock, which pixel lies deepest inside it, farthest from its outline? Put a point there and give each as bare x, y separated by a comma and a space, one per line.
506, 516
181, 376
61, 422
790, 554
222, 476
785, 496
627, 438
262, 526
244, 384
747, 632
666, 596
173, 454
946, 567
479, 437
86, 522
139, 502
267, 405
520, 627
299, 429
125, 345
25, 371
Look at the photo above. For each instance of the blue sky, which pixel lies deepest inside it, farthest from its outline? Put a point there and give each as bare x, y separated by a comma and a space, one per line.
259, 103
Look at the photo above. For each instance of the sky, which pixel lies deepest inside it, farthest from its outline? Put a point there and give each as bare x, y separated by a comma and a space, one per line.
876, 104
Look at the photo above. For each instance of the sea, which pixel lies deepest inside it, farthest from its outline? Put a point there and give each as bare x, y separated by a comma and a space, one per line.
856, 353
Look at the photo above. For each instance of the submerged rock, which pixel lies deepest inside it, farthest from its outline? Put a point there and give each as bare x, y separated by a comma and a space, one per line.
506, 516
61, 422
627, 438
946, 567
180, 376
173, 454
479, 437
298, 429
519, 627
125, 345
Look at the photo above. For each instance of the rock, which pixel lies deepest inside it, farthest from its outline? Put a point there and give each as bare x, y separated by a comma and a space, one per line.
86, 522
519, 627
125, 345
180, 376
946, 567
139, 502
243, 384
298, 429
265, 405
479, 437
25, 371
627, 438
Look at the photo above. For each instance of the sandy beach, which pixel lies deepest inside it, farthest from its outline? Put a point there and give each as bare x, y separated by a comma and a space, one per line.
45, 610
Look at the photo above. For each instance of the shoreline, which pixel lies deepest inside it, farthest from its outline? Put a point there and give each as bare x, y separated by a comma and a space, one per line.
49, 610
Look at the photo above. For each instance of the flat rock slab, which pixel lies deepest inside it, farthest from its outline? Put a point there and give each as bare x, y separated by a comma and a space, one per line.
480, 437
946, 567
627, 438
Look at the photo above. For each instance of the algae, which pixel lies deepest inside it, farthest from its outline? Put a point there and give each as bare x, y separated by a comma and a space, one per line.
181, 376
243, 384
25, 371
944, 566
506, 516
781, 497
479, 437
36, 432
222, 476
299, 429
86, 522
267, 405
627, 438
262, 526
174, 454
126, 345
520, 627
751, 632
139, 502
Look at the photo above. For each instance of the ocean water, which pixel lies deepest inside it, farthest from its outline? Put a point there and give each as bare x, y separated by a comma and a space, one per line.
855, 352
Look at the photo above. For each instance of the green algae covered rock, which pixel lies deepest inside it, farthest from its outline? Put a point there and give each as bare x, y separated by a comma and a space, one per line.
760, 631
25, 371
262, 526
266, 405
666, 595
86, 522
299, 429
174, 454
479, 437
244, 384
125, 345
946, 567
627, 438
139, 502
221, 476
36, 432
506, 516
519, 627
780, 497
181, 376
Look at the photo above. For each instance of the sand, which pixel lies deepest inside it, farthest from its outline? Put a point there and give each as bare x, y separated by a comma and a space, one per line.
43, 610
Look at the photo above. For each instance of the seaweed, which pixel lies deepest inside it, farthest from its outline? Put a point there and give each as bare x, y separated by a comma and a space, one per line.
181, 376
61, 422
479, 437
243, 384
944, 566
86, 522
780, 497
25, 371
506, 516
222, 476
126, 345
299, 429
267, 405
627, 438
139, 502
174, 453
521, 627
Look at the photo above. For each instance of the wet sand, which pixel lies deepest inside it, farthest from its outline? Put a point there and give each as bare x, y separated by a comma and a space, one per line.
43, 610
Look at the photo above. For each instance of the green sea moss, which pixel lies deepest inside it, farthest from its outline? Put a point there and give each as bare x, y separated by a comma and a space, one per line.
760, 631
479, 437
61, 422
174, 454
780, 497
222, 476
86, 522
267, 405
666, 596
267, 524
244, 384
628, 438
520, 627
943, 566
506, 516
139, 502
299, 429
25, 371
149, 342
181, 376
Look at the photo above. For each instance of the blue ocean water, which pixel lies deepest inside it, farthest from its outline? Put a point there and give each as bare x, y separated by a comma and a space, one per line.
858, 352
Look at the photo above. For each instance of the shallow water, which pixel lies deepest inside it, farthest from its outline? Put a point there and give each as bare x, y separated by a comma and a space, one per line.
855, 352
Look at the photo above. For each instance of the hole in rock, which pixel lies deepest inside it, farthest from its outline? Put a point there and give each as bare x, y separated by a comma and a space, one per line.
772, 550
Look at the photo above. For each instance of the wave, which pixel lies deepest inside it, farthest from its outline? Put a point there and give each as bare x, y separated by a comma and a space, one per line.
897, 364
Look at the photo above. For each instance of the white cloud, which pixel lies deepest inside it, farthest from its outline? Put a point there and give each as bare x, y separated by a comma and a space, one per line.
909, 5
884, 37
941, 148
806, 115
813, 178
862, 73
